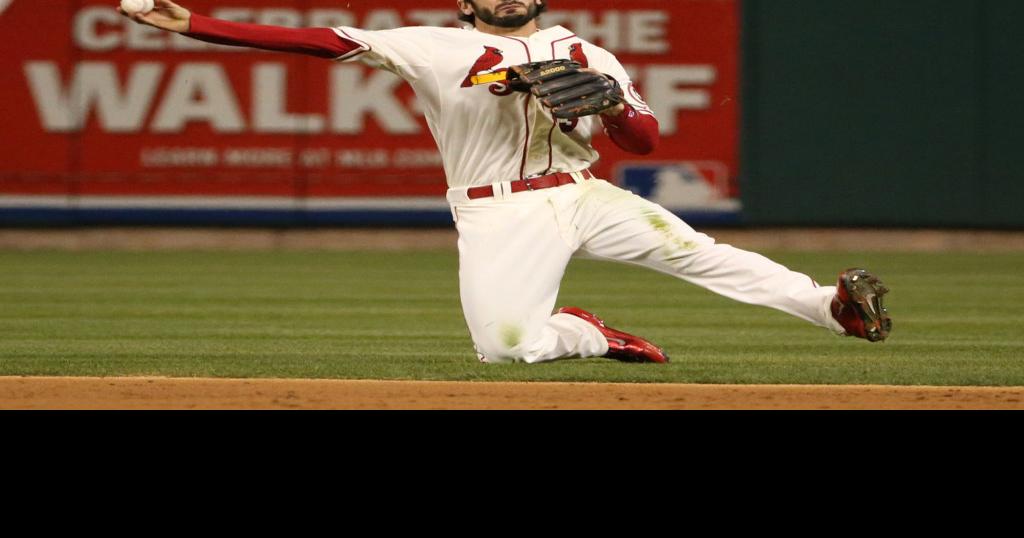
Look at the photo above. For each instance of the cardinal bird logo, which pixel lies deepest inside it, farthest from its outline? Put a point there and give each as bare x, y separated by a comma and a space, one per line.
490, 58
576, 54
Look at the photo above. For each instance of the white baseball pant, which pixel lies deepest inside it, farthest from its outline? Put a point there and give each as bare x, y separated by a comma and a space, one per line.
514, 248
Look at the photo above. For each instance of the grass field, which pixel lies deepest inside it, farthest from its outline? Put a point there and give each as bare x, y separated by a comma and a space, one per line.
376, 315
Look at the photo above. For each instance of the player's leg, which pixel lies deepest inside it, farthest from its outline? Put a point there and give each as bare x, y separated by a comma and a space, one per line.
616, 224
511, 261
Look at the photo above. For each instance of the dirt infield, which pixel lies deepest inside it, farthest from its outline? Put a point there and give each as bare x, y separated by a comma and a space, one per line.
275, 394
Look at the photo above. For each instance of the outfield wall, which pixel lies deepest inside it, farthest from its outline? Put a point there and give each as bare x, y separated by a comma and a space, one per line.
120, 123
883, 113
853, 113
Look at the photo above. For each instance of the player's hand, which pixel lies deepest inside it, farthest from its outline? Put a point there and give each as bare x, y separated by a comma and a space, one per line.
166, 15
614, 111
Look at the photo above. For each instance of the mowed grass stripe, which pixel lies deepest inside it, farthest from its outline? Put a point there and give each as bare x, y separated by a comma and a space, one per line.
396, 315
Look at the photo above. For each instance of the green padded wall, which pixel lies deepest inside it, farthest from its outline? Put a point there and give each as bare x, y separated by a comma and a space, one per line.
882, 112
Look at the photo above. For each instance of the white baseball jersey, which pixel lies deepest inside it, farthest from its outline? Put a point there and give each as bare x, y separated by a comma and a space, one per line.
487, 133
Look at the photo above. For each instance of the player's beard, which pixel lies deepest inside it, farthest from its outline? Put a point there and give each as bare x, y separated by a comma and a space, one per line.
514, 20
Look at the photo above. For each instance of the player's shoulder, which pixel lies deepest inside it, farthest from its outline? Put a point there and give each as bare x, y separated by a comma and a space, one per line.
597, 50
414, 32
560, 34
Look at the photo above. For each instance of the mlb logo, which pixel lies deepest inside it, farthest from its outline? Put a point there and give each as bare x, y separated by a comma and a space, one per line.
680, 186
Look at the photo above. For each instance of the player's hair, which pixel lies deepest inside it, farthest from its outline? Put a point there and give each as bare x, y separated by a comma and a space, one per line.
471, 18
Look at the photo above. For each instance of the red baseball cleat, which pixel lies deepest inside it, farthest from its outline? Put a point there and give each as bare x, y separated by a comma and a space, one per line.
857, 305
621, 346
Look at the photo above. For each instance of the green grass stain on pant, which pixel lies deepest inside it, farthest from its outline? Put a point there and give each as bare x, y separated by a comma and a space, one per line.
511, 335
662, 226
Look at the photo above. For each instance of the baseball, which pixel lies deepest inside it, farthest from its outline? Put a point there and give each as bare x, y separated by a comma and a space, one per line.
137, 6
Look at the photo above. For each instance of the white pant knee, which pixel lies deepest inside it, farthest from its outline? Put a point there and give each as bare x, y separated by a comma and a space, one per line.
504, 345
562, 336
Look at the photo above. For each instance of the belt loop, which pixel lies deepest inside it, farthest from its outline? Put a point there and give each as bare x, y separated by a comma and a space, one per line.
502, 190
457, 195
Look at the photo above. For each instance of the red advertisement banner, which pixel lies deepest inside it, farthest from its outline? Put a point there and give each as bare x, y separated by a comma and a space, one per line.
95, 105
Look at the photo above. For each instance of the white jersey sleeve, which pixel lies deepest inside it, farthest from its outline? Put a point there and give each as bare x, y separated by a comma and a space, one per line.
399, 50
606, 63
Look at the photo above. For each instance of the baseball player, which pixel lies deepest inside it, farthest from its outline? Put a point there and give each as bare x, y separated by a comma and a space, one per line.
512, 107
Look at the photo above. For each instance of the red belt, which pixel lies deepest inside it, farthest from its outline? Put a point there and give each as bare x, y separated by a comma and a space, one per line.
543, 182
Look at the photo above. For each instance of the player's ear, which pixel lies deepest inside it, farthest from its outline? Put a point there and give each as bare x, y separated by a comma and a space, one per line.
464, 7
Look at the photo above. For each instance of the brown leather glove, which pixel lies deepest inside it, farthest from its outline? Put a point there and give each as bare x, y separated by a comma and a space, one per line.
567, 88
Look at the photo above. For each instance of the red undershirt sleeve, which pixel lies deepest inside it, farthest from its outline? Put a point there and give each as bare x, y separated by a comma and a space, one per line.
632, 131
320, 42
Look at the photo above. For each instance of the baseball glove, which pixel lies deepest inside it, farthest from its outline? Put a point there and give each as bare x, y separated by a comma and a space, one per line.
566, 87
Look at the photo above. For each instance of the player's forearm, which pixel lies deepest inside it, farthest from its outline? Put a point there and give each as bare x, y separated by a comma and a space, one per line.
320, 42
632, 131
